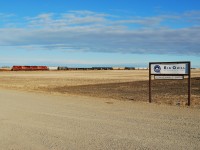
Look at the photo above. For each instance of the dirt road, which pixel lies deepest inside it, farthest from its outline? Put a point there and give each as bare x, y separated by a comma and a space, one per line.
46, 122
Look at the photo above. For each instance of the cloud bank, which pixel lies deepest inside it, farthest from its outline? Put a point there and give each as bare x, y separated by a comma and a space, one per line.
86, 31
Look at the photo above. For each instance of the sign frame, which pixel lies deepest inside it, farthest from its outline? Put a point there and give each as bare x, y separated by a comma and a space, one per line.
188, 63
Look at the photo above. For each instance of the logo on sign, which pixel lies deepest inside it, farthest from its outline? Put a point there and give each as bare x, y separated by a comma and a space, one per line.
157, 68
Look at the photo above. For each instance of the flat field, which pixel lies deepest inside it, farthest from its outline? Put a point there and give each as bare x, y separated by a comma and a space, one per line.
115, 84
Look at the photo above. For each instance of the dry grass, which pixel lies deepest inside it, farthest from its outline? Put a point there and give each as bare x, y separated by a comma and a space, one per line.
119, 84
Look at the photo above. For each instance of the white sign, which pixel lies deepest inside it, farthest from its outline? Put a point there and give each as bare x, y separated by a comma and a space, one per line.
169, 77
169, 68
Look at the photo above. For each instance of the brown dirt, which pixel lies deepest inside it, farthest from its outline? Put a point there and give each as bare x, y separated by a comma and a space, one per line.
167, 91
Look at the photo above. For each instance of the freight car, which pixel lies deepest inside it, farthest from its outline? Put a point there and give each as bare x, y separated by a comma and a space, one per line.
129, 68
53, 68
29, 68
63, 68
102, 68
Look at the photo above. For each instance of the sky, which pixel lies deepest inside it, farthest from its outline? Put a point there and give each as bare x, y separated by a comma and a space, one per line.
86, 33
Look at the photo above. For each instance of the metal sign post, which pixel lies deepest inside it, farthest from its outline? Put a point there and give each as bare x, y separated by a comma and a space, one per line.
149, 82
189, 83
170, 71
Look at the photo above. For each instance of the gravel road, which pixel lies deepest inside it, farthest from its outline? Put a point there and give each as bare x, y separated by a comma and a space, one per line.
30, 121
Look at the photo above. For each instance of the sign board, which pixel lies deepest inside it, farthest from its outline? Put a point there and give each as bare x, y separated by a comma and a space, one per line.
170, 71
169, 68
160, 77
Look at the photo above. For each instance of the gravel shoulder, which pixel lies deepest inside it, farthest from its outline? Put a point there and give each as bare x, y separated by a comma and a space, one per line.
48, 122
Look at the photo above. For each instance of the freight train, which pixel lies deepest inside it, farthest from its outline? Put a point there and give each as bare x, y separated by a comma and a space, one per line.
46, 68
29, 68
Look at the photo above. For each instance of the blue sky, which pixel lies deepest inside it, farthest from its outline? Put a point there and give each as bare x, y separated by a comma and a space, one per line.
99, 32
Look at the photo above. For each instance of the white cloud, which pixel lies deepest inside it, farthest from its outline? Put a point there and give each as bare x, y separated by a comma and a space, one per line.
87, 31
